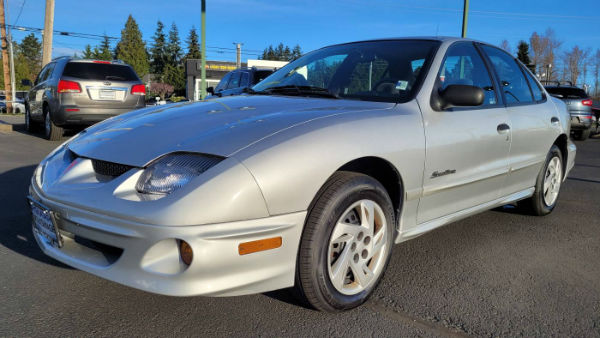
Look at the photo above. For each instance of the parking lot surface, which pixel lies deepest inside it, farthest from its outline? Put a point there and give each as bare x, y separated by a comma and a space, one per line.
499, 273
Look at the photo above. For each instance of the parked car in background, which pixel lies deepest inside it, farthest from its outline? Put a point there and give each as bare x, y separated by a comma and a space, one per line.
236, 81
72, 92
18, 105
579, 105
308, 180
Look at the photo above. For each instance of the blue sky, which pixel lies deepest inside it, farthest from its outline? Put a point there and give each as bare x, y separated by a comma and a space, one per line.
312, 24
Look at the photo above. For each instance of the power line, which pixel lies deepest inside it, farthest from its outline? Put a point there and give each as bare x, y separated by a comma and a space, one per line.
20, 11
64, 33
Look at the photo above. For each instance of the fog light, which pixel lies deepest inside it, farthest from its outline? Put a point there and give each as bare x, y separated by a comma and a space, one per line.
186, 253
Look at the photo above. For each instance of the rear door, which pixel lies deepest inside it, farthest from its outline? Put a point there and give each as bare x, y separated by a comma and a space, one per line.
466, 148
531, 115
36, 94
103, 85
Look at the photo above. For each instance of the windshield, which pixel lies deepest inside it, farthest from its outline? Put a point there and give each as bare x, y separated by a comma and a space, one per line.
389, 71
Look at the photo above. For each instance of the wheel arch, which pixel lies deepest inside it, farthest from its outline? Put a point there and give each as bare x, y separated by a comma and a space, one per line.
561, 142
385, 173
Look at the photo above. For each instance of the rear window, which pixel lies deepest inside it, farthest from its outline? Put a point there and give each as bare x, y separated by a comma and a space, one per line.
100, 71
568, 93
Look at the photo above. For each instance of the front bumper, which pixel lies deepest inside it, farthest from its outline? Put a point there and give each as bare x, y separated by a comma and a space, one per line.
146, 256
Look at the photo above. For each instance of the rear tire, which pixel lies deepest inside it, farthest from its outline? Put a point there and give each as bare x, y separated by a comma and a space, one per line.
582, 135
343, 253
547, 185
52, 132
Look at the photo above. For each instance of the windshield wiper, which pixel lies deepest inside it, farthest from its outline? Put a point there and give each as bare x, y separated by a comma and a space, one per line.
251, 91
302, 90
114, 77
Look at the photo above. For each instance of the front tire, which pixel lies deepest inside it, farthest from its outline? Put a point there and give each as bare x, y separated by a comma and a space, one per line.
52, 132
547, 185
28, 122
346, 243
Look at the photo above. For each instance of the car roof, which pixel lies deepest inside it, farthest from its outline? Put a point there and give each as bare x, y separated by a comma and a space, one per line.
427, 38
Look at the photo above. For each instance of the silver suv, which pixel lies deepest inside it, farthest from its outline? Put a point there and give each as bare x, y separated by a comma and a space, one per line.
579, 105
73, 93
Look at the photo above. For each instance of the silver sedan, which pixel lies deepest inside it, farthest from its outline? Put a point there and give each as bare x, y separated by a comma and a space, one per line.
307, 180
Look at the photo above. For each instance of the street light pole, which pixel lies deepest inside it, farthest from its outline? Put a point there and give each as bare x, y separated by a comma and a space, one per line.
203, 51
465, 18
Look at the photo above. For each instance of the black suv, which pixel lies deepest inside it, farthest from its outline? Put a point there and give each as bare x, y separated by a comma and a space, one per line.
579, 106
234, 82
72, 92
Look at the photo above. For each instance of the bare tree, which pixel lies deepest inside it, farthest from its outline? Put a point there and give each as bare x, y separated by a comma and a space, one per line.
505, 45
574, 62
596, 72
585, 63
545, 48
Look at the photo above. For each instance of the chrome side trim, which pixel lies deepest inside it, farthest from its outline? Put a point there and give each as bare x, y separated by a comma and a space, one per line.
433, 190
438, 222
524, 165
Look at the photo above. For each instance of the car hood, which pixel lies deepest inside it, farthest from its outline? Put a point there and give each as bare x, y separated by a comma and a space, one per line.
218, 127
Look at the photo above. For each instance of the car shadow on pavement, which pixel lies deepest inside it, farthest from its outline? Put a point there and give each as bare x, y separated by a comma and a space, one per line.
287, 296
15, 217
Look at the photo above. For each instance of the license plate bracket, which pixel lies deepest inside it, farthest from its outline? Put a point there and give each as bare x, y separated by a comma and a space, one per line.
107, 94
44, 223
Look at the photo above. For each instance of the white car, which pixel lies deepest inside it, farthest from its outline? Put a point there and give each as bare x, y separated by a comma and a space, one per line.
309, 179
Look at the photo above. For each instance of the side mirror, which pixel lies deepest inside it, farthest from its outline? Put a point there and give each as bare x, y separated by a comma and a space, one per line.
26, 82
210, 90
461, 96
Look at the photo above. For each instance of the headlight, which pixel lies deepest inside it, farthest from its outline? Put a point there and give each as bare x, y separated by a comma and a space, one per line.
39, 174
172, 172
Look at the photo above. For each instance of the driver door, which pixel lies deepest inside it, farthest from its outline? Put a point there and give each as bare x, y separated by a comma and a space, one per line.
467, 148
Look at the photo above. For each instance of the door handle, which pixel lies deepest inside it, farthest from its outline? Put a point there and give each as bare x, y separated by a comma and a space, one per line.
554, 120
503, 128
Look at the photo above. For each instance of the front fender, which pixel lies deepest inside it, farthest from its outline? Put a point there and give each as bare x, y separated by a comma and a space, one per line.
292, 165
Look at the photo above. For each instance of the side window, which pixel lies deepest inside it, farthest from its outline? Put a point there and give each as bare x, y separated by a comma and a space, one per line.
535, 87
41, 76
234, 82
463, 65
223, 84
49, 71
512, 80
244, 81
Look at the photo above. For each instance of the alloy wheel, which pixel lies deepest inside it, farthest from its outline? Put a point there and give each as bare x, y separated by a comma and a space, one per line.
357, 247
552, 181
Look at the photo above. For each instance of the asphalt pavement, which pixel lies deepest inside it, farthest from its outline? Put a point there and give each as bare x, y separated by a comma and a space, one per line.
500, 273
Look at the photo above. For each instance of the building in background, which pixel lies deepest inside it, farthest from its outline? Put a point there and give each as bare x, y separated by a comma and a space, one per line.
215, 70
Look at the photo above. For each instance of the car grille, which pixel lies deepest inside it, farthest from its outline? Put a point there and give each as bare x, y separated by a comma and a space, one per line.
109, 168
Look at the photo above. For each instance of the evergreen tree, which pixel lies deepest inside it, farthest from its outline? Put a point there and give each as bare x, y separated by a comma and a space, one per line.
158, 50
523, 52
296, 52
193, 47
281, 53
87, 52
30, 52
104, 52
132, 49
175, 76
174, 52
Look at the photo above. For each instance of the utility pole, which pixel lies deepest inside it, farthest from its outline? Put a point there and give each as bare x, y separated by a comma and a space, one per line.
203, 51
13, 85
238, 49
465, 18
6, 71
48, 30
